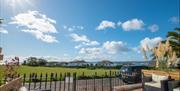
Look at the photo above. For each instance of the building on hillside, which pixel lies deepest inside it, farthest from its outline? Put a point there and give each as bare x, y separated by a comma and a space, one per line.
57, 64
78, 63
106, 63
52, 64
63, 64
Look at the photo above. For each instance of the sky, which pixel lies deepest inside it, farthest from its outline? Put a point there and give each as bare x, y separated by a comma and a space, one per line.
93, 30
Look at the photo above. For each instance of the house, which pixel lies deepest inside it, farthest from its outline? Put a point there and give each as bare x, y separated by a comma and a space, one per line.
106, 63
63, 64
52, 64
78, 63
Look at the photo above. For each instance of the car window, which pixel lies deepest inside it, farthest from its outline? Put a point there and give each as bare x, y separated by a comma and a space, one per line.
126, 69
136, 69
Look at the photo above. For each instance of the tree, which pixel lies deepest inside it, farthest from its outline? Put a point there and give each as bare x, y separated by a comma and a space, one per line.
42, 62
24, 63
32, 61
174, 38
167, 52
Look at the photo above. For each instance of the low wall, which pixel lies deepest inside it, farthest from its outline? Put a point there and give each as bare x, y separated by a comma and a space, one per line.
128, 87
14, 84
174, 75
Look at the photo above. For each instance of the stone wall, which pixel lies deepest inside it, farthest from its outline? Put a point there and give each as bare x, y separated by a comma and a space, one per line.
14, 84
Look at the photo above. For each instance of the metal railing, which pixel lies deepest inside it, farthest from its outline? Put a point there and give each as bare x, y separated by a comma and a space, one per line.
72, 82
75, 82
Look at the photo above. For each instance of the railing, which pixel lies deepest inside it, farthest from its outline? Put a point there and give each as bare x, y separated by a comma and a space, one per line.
75, 82
72, 82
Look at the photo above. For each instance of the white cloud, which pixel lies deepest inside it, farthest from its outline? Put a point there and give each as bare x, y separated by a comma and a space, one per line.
79, 38
4, 31
105, 51
91, 43
105, 24
109, 47
108, 50
93, 51
84, 40
73, 28
174, 19
136, 49
134, 24
78, 46
119, 23
37, 24
80, 27
150, 43
153, 28
114, 47
43, 37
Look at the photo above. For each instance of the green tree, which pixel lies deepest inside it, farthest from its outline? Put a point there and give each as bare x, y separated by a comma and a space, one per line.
174, 38
42, 62
32, 61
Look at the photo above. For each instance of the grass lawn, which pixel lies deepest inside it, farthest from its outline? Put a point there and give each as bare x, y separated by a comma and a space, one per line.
88, 72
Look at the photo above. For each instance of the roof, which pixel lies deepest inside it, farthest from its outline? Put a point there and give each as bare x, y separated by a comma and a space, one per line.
78, 61
105, 62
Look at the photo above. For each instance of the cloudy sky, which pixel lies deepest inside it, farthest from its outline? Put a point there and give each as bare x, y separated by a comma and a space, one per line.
85, 29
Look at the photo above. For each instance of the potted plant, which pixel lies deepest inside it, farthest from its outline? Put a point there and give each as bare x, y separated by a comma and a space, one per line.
11, 68
12, 79
165, 57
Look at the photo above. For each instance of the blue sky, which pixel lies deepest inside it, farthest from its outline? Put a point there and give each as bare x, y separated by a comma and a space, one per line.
85, 29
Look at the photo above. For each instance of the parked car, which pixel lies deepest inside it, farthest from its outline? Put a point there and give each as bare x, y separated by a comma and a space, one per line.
131, 74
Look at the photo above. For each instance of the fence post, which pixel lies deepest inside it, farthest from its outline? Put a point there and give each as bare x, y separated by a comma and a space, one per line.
46, 80
24, 79
74, 82
86, 81
64, 82
19, 75
120, 82
95, 81
51, 79
106, 74
69, 75
29, 87
60, 81
40, 80
110, 82
102, 84
35, 79
115, 78
55, 81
